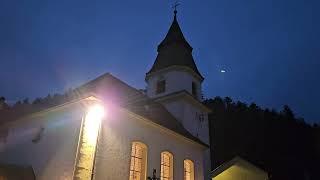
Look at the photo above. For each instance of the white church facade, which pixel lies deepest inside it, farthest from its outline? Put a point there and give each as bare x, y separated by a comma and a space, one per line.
116, 132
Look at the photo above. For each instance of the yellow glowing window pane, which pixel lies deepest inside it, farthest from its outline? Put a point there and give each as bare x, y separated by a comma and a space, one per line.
132, 164
166, 170
188, 170
187, 167
138, 152
138, 160
137, 166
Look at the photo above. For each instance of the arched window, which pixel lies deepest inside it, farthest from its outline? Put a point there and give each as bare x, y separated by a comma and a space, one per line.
188, 169
138, 161
166, 166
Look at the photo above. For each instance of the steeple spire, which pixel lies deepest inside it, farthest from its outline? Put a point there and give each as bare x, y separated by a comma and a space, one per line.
174, 50
174, 34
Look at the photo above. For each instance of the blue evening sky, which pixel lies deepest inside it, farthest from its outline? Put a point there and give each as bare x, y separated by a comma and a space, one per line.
269, 48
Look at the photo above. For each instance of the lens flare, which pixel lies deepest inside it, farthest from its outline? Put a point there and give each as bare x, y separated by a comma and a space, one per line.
88, 142
92, 123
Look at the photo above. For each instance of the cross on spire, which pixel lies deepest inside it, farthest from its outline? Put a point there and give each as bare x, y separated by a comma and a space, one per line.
175, 5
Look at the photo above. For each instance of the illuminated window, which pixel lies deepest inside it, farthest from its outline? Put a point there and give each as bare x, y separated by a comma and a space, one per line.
161, 86
188, 169
166, 166
138, 161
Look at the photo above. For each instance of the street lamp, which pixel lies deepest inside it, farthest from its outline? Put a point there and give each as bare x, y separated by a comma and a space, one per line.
92, 122
88, 141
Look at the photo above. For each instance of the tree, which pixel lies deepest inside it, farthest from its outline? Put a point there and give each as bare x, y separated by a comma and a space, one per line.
285, 146
37, 101
287, 112
3, 104
26, 101
17, 104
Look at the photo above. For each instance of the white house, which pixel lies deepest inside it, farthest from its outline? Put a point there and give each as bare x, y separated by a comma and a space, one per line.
114, 131
238, 169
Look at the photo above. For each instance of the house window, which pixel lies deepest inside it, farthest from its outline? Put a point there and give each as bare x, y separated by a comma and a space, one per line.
161, 86
166, 166
194, 89
188, 169
138, 161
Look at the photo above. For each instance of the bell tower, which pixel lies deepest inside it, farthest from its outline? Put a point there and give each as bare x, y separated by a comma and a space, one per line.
174, 69
175, 81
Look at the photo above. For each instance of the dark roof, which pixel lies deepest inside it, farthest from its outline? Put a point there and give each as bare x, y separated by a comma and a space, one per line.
174, 35
174, 50
110, 88
15, 172
158, 114
183, 93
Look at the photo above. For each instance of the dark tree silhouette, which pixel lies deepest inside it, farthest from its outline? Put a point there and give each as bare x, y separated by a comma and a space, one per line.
287, 112
286, 147
26, 101
3, 104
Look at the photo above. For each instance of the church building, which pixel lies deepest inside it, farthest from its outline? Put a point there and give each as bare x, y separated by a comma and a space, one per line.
113, 131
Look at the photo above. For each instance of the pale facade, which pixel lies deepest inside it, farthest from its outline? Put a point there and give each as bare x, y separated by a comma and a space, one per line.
238, 169
165, 129
115, 147
54, 155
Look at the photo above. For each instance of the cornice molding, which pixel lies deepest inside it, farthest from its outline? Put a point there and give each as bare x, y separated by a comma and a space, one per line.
175, 67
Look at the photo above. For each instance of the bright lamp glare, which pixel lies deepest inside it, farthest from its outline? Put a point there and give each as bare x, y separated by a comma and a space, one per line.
92, 123
96, 112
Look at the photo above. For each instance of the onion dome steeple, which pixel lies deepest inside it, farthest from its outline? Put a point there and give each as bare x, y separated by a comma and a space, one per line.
174, 50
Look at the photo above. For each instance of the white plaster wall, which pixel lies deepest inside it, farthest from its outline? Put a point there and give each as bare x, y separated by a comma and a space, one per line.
175, 81
52, 158
176, 108
198, 129
118, 132
192, 123
187, 113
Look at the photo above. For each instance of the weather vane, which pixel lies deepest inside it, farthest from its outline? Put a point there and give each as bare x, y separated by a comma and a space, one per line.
175, 5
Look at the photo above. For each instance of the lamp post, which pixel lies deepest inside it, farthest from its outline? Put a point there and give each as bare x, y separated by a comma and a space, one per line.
97, 141
154, 177
88, 141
